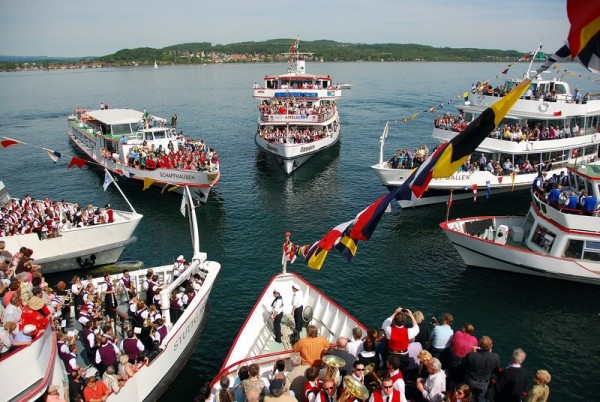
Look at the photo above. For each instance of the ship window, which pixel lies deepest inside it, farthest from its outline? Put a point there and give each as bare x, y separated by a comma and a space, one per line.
120, 129
560, 89
590, 150
160, 135
543, 238
591, 251
574, 249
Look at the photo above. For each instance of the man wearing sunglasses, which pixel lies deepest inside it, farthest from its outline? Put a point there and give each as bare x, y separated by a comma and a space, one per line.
328, 392
387, 393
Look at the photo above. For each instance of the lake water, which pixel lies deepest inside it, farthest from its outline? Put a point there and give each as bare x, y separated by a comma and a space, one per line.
408, 261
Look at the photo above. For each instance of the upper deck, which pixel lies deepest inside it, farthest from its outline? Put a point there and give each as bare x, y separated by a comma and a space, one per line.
296, 83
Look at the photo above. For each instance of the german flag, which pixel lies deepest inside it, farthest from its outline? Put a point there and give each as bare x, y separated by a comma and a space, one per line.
584, 35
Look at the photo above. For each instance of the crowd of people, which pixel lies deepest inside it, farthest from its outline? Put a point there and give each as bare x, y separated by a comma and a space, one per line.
407, 159
408, 359
48, 218
512, 132
118, 325
291, 106
294, 134
556, 190
180, 153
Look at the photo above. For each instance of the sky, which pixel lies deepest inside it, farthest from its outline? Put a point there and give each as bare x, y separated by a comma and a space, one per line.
69, 28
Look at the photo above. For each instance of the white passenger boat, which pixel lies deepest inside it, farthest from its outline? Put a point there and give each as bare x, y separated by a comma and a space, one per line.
345, 86
30, 370
141, 146
255, 341
58, 248
532, 113
551, 241
298, 115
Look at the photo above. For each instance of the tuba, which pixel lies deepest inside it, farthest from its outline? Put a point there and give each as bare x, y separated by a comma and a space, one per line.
370, 370
333, 364
353, 388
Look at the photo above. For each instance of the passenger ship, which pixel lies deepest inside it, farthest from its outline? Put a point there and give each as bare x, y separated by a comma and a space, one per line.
550, 104
122, 139
298, 115
29, 371
552, 241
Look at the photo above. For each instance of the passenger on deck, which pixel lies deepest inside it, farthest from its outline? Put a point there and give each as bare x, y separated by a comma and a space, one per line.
340, 351
311, 347
355, 346
253, 382
434, 387
95, 390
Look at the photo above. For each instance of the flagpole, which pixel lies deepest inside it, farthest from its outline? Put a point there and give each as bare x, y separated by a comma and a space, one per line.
121, 191
449, 205
284, 257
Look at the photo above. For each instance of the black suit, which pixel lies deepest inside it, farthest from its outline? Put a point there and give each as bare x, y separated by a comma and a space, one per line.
511, 385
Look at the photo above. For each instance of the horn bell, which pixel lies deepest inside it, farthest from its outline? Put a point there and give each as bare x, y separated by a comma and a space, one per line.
355, 388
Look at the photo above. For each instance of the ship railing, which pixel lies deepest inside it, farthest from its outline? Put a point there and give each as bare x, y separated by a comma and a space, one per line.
26, 371
543, 205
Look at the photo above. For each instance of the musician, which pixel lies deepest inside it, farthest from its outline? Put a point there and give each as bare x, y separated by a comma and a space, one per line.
189, 295
277, 314
153, 313
297, 308
132, 346
387, 393
128, 284
398, 334
77, 290
107, 354
161, 331
107, 332
148, 286
176, 304
312, 386
197, 282
88, 339
394, 363
178, 267
84, 315
328, 391
110, 298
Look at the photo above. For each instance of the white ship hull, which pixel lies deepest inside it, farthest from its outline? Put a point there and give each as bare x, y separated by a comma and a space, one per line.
515, 257
292, 156
255, 343
88, 142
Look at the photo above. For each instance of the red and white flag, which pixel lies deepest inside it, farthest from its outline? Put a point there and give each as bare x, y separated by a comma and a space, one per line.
474, 192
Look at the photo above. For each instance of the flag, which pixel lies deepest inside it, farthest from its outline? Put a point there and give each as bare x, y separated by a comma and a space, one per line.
450, 200
500, 179
584, 35
489, 189
466, 96
440, 164
107, 179
77, 162
183, 206
289, 252
54, 155
149, 182
294, 47
385, 132
474, 192
319, 250
559, 113
7, 142
347, 247
504, 71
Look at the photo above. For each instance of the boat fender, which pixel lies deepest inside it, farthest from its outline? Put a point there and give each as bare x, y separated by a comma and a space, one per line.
501, 234
543, 106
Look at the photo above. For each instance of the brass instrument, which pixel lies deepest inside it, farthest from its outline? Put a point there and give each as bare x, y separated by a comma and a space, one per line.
370, 369
353, 388
333, 364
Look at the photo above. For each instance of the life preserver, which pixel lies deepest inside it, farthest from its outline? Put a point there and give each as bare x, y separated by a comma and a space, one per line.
543, 106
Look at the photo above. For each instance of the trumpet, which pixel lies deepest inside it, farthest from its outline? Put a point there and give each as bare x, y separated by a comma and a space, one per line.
333, 364
353, 388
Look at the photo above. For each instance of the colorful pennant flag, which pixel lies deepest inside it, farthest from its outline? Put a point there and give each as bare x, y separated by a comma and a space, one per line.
584, 35
318, 251
53, 155
474, 192
149, 182
489, 189
7, 142
294, 47
77, 162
